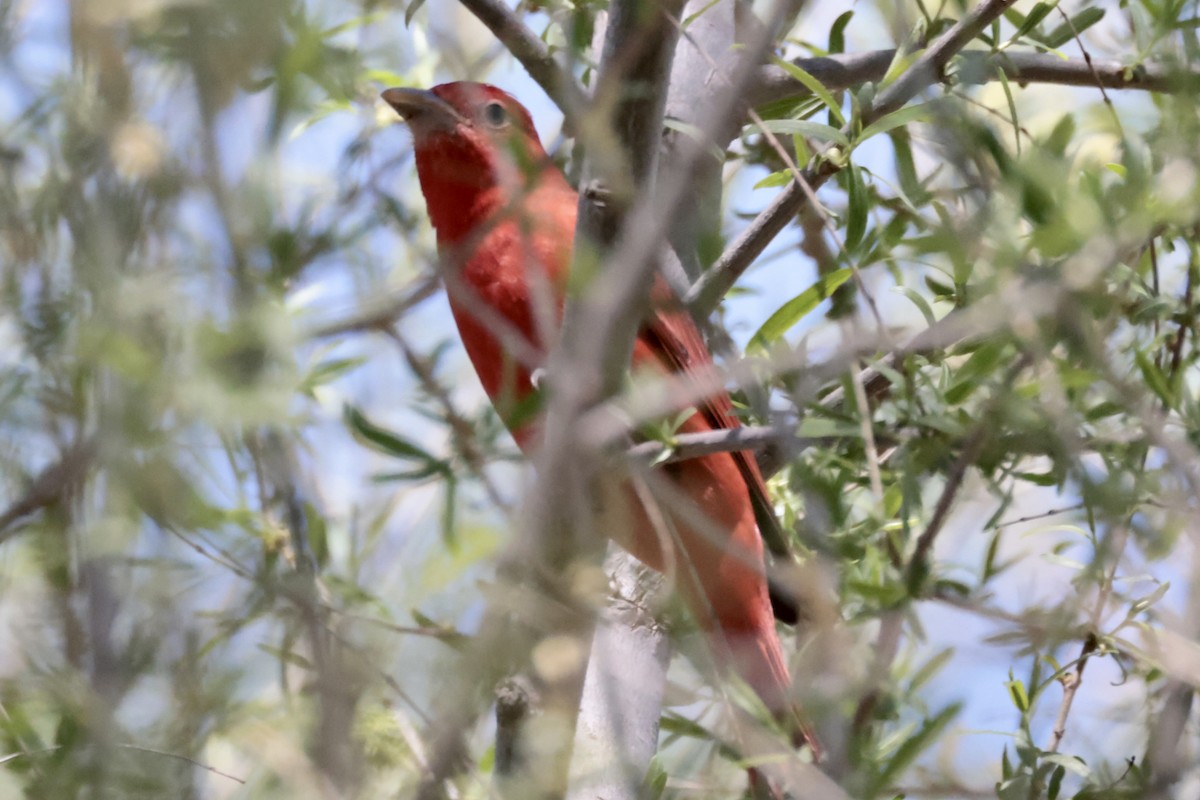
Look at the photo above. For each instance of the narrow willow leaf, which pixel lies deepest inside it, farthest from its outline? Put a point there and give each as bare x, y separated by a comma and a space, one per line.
856, 217
813, 85
797, 308
913, 746
1036, 15
382, 439
837, 32
896, 119
411, 11
1155, 379
804, 127
920, 302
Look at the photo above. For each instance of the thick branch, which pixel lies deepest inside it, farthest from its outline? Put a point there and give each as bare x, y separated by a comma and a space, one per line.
617, 735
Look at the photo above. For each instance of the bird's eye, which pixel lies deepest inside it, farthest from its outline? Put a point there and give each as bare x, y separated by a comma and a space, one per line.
495, 114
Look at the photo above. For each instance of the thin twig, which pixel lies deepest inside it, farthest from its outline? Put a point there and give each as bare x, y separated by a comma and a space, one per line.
844, 71
966, 458
1042, 515
868, 434
1072, 680
1071, 683
460, 426
686, 446
380, 315
1087, 60
135, 747
49, 486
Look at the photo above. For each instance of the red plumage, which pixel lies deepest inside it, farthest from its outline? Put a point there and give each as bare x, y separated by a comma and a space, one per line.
496, 199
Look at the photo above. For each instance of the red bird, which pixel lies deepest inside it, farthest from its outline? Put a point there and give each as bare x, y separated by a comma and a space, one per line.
507, 214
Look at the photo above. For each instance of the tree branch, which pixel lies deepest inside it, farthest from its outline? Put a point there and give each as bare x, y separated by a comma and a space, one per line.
532, 52
844, 71
687, 446
48, 487
617, 734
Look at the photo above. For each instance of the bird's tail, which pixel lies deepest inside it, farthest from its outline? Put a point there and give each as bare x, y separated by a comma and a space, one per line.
758, 659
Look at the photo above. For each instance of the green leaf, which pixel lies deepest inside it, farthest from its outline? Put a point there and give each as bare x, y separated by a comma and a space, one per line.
655, 782
681, 726
797, 308
361, 21
813, 85
930, 668
1062, 135
781, 178
896, 119
1036, 15
1016, 691
856, 217
970, 375
329, 371
837, 33
1155, 379
913, 746
906, 166
989, 559
920, 302
449, 507
1149, 600
381, 439
411, 11
812, 427
287, 656
1055, 785
1072, 763
1050, 478
805, 127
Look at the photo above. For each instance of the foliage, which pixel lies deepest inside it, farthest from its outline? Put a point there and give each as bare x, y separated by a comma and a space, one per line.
243, 543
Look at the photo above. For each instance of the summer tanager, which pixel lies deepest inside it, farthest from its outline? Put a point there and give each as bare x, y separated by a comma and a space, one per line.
506, 215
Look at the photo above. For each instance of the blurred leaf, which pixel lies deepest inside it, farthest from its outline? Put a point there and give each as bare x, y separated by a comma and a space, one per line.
859, 202
837, 32
897, 119
804, 127
329, 371
413, 7
908, 752
797, 308
814, 86
1079, 23
383, 440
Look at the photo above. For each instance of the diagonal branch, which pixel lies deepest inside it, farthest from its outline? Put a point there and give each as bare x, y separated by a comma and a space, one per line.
924, 72
51, 485
845, 71
532, 52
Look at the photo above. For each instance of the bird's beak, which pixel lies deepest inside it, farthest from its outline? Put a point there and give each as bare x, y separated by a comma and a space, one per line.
422, 108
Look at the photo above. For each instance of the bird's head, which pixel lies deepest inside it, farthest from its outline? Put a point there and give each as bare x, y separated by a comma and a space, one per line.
469, 136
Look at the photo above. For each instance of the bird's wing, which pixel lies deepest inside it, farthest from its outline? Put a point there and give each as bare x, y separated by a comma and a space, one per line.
673, 336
